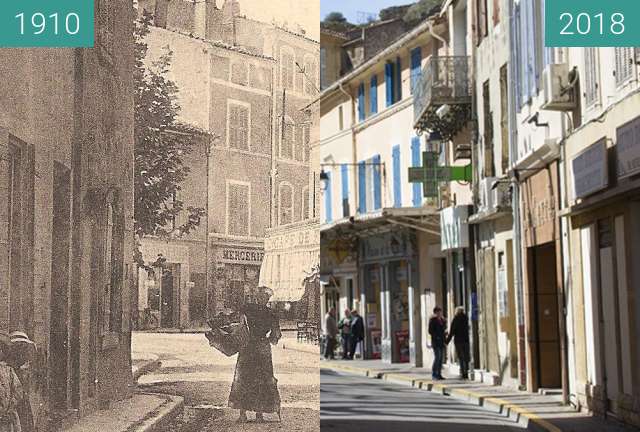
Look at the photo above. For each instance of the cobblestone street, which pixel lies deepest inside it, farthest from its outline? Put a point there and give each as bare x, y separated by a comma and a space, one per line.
202, 375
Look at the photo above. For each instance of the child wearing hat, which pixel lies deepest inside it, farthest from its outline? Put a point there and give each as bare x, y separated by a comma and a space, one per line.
11, 392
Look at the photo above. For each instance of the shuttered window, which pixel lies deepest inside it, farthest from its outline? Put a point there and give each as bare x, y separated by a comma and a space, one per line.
517, 44
361, 107
416, 67
482, 19
373, 95
415, 161
624, 64
377, 182
590, 76
238, 209
397, 94
362, 187
397, 176
286, 204
345, 190
328, 200
388, 83
238, 126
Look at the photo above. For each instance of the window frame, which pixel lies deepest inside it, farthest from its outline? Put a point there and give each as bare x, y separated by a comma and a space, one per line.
228, 184
241, 104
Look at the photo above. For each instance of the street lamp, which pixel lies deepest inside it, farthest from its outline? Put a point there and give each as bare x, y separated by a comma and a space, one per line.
434, 142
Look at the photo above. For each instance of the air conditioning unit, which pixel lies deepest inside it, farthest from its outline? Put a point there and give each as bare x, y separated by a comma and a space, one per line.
501, 195
557, 91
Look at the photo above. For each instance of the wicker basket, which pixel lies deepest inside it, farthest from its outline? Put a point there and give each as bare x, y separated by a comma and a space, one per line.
229, 339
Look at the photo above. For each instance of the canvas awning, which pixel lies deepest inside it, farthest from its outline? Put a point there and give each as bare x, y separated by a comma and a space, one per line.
285, 272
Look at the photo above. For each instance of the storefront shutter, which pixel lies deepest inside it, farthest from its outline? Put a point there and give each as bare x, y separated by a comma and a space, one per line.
377, 182
362, 187
373, 94
397, 176
415, 161
388, 82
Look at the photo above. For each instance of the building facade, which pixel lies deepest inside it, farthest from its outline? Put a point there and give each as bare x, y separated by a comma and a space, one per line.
66, 181
244, 84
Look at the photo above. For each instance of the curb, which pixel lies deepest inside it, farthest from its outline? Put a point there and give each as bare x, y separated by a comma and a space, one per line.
145, 368
531, 421
160, 418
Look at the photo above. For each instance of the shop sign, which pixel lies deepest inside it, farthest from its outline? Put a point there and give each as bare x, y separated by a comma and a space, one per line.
628, 148
402, 346
454, 228
590, 170
383, 247
376, 344
240, 256
371, 319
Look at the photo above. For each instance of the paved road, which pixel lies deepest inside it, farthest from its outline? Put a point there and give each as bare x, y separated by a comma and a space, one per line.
357, 404
202, 375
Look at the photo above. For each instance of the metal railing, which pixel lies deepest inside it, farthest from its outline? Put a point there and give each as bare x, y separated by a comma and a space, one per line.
444, 80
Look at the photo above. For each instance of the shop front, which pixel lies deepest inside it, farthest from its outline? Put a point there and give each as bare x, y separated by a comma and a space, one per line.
388, 268
543, 301
235, 271
604, 215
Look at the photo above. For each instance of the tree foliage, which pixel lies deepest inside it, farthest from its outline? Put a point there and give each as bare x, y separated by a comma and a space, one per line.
393, 12
336, 21
160, 146
420, 11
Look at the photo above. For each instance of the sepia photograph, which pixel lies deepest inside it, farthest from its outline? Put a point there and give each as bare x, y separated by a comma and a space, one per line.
160, 244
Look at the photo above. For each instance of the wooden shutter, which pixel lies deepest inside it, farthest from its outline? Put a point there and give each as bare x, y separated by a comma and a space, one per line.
345, 190
377, 182
590, 76
388, 82
362, 187
397, 176
415, 161
398, 81
416, 67
361, 109
373, 95
328, 200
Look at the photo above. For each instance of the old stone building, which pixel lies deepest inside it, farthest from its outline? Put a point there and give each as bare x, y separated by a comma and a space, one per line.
245, 85
66, 184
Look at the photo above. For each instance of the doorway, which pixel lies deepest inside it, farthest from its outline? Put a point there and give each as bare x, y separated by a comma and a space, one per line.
60, 249
547, 367
166, 298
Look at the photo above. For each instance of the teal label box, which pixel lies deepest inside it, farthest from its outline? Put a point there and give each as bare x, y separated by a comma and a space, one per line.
592, 23
47, 23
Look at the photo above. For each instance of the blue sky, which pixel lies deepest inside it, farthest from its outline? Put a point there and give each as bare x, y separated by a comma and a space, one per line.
350, 8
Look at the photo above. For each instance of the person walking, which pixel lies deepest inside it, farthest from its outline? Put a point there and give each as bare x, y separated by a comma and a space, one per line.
357, 332
459, 332
254, 387
437, 331
345, 334
331, 332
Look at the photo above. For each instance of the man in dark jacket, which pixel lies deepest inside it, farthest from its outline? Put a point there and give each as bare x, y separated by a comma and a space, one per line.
438, 332
357, 332
459, 332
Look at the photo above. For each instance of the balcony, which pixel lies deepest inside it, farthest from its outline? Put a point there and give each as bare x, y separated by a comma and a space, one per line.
444, 81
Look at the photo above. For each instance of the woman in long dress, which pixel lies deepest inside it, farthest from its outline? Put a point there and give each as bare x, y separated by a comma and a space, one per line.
254, 387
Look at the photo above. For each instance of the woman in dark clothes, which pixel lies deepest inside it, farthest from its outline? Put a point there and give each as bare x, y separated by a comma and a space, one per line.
254, 387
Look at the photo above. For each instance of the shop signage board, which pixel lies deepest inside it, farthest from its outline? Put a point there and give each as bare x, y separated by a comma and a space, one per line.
628, 149
386, 246
590, 170
232, 255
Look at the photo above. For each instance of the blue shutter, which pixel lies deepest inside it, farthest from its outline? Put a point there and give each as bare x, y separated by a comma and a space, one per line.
398, 78
362, 187
397, 176
361, 111
388, 82
377, 182
345, 189
416, 66
328, 200
373, 95
416, 162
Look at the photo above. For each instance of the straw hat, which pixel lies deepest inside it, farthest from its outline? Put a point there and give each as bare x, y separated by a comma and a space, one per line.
22, 348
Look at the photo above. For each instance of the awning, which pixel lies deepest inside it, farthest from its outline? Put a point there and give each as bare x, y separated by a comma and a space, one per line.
285, 272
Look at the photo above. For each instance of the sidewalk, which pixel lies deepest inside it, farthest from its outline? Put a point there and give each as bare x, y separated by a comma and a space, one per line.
540, 413
141, 413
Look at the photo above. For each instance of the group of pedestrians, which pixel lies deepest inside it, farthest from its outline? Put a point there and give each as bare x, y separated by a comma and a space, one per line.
440, 338
351, 330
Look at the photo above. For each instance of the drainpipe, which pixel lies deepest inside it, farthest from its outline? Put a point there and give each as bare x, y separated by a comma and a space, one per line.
438, 37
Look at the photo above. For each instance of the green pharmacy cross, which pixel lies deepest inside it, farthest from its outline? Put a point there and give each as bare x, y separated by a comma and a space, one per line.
431, 175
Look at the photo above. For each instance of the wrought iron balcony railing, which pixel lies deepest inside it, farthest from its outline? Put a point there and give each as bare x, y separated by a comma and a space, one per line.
444, 80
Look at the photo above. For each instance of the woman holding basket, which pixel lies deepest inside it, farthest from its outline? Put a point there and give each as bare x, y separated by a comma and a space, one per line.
254, 386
